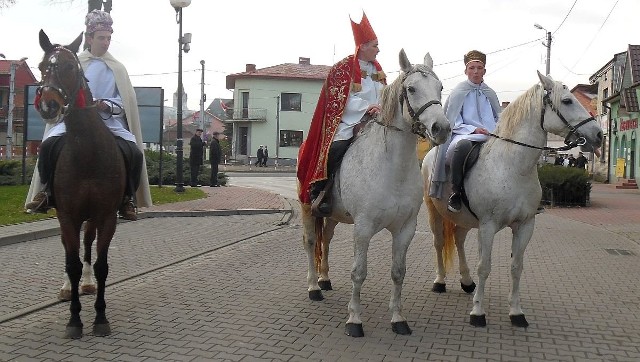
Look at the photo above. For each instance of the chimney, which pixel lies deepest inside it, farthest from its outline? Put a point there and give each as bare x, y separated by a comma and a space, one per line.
251, 67
304, 60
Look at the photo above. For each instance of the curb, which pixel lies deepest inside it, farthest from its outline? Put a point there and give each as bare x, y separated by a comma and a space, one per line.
54, 231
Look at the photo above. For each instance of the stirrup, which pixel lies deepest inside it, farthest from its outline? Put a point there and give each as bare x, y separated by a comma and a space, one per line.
322, 200
39, 204
454, 204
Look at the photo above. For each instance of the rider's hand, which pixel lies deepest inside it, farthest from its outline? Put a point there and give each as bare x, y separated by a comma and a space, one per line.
373, 109
481, 131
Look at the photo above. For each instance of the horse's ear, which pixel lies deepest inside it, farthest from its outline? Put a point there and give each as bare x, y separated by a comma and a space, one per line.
405, 65
428, 61
547, 82
75, 46
45, 43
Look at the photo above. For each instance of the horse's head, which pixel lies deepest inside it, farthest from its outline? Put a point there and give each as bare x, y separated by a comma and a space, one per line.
417, 92
564, 115
63, 85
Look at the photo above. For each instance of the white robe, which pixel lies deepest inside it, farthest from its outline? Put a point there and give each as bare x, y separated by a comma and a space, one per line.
128, 102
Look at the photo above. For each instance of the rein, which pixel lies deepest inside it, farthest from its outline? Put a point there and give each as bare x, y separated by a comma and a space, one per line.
580, 140
416, 127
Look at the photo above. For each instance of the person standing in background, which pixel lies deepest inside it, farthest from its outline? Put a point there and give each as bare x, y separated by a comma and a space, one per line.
259, 156
214, 159
196, 156
265, 156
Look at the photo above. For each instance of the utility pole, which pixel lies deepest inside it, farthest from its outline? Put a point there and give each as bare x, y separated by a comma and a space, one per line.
203, 97
277, 129
548, 52
12, 92
548, 45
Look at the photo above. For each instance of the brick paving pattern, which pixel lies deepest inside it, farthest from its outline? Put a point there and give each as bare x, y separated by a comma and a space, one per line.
233, 288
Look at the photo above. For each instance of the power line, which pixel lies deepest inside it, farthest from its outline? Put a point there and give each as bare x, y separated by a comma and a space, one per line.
594, 37
566, 16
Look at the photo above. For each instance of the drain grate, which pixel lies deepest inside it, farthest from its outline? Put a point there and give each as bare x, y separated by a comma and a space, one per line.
619, 252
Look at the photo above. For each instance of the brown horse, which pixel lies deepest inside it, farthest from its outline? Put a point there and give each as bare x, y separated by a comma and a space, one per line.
89, 178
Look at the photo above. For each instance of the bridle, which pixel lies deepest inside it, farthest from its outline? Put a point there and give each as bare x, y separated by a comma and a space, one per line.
573, 130
417, 127
73, 100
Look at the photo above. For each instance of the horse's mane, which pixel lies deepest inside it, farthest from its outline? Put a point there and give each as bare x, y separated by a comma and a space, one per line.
389, 100
391, 93
524, 106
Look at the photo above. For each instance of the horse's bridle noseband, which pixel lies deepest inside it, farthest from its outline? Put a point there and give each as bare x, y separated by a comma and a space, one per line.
573, 130
52, 68
416, 127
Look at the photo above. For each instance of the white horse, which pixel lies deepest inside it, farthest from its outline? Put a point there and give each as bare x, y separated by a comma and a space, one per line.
378, 187
503, 187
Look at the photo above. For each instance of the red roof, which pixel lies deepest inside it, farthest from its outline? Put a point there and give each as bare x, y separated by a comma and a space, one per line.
290, 71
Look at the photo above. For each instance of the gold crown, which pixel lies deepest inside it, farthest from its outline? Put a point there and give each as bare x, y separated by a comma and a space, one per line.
475, 55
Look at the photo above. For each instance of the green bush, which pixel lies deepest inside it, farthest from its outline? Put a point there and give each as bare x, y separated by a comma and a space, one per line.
568, 186
11, 170
169, 170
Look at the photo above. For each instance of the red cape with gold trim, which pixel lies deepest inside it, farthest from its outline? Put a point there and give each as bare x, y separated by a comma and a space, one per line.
312, 156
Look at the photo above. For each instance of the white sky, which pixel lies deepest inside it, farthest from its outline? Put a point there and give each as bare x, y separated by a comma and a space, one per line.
229, 34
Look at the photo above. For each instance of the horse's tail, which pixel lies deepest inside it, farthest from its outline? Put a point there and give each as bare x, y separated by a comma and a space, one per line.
319, 225
448, 251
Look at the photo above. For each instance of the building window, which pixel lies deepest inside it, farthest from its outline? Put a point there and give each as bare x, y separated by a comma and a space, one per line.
290, 138
290, 101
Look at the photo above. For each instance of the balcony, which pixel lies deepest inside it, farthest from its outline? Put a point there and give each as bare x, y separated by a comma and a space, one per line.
247, 115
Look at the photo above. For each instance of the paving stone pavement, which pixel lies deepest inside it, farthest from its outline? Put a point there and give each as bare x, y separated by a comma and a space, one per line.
232, 287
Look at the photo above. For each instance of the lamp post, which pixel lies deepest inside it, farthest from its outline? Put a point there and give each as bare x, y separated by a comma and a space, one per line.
203, 97
548, 45
183, 41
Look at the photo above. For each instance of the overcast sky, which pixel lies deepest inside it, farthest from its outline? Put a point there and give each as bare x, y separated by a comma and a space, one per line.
229, 34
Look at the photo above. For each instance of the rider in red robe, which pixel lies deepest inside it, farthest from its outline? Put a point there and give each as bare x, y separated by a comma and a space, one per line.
347, 87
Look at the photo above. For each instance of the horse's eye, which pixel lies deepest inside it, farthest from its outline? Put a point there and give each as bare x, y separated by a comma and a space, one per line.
567, 101
411, 89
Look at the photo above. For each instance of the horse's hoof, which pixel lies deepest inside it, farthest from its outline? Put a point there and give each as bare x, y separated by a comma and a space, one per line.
468, 288
519, 320
325, 284
88, 289
478, 320
64, 295
354, 330
401, 328
315, 295
73, 332
101, 330
439, 287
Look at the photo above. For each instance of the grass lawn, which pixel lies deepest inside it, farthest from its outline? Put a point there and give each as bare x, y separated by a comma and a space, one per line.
12, 202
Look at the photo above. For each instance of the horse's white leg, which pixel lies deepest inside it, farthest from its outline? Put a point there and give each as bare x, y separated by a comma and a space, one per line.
521, 235
466, 281
324, 281
486, 233
309, 243
361, 237
437, 229
401, 241
87, 282
65, 291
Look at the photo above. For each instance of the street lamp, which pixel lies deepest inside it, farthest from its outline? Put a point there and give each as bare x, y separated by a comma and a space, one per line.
183, 42
548, 45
